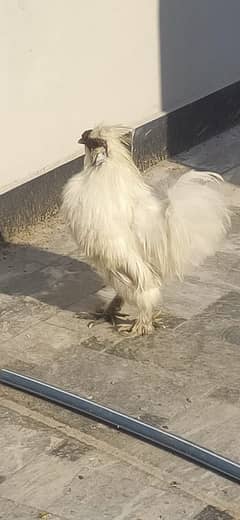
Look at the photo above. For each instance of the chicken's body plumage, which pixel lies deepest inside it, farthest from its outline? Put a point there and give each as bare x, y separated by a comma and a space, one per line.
134, 238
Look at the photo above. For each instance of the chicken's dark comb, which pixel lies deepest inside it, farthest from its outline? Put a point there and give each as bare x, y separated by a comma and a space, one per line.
92, 142
84, 137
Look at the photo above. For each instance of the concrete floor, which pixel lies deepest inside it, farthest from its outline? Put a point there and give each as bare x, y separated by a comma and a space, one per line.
186, 378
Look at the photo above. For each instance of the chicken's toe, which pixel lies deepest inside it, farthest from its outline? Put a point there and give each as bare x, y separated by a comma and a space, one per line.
137, 328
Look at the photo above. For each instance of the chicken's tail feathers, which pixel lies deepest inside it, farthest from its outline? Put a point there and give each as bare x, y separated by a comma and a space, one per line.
197, 219
199, 177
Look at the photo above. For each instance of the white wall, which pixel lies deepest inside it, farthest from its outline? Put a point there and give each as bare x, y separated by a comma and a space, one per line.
69, 64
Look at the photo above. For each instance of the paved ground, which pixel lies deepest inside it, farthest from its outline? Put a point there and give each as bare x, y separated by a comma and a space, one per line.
57, 465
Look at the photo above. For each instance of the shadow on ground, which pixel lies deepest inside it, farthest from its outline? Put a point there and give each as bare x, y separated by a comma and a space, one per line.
51, 278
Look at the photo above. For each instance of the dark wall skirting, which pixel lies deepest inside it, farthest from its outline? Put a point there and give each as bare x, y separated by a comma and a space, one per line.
34, 200
187, 126
156, 140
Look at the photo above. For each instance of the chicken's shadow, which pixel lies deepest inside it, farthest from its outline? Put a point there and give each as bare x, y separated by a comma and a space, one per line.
51, 278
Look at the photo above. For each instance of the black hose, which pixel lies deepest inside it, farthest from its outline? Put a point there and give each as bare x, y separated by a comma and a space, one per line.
158, 437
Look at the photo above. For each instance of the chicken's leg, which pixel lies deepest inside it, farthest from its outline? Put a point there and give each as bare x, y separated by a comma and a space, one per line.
139, 327
145, 322
110, 314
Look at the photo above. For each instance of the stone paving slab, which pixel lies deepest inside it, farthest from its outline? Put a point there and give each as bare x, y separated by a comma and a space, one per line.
219, 154
57, 465
11, 510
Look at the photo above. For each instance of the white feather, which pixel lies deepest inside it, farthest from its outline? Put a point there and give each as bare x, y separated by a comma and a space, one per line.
136, 239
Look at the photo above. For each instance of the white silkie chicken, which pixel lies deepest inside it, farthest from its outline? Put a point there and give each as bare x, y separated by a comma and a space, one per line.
133, 237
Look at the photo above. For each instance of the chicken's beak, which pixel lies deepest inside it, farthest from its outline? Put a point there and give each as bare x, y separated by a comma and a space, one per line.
99, 157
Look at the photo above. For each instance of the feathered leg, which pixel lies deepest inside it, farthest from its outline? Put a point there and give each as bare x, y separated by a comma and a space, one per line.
146, 302
141, 326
